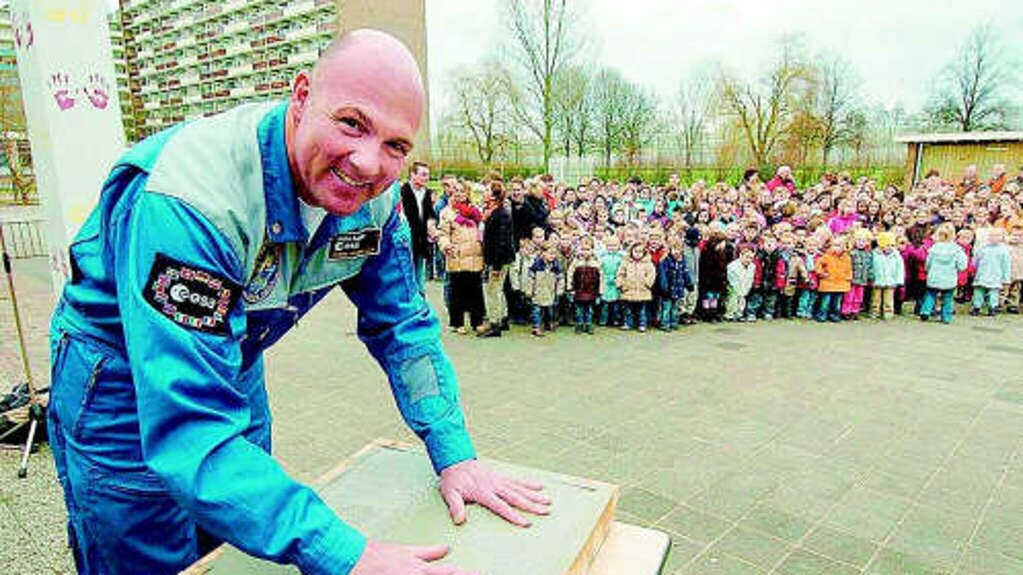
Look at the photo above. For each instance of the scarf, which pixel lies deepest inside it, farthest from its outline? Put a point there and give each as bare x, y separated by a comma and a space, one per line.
468, 214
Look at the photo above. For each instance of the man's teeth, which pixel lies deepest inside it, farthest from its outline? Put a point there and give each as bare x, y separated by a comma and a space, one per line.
344, 178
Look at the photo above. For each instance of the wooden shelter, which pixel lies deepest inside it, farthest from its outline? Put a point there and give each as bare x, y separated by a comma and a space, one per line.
950, 154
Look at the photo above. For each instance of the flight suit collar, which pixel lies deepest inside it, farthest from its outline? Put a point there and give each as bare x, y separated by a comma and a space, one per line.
283, 215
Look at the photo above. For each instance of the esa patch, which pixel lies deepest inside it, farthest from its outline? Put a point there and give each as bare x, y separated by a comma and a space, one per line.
190, 296
355, 244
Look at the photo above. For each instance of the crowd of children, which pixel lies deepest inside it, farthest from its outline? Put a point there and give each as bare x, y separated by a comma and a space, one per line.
633, 256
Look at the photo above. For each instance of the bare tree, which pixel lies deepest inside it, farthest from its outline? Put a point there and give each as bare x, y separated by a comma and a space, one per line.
545, 44
485, 107
693, 104
857, 134
609, 96
836, 103
764, 108
971, 93
638, 121
572, 108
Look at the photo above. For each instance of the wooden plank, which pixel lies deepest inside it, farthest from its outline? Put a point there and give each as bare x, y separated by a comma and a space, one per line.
631, 550
389, 492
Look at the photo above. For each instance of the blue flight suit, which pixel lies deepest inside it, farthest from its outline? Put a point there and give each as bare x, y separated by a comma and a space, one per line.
195, 261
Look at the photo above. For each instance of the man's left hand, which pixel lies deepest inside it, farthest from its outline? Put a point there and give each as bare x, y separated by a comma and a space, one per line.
474, 482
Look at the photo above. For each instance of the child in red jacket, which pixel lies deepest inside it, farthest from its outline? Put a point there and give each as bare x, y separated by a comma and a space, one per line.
964, 286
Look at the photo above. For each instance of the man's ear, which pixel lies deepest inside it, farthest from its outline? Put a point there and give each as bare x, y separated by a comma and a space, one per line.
300, 89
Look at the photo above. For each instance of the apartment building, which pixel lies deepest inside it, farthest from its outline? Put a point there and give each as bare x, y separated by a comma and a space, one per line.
121, 74
189, 58
15, 151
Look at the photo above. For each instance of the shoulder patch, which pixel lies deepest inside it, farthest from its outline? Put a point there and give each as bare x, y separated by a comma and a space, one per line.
190, 296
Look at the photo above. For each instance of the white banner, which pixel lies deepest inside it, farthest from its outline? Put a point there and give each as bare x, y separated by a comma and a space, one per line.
69, 90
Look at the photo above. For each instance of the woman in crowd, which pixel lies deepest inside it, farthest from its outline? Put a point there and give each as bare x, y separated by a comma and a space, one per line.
458, 236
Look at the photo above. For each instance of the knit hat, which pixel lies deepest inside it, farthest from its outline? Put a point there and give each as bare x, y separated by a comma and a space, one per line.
885, 239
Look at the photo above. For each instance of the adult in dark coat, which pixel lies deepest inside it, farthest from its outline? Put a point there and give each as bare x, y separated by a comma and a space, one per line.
499, 247
417, 205
528, 212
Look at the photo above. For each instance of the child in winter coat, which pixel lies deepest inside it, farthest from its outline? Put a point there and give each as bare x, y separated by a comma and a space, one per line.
862, 267
518, 278
635, 279
964, 286
945, 259
691, 254
786, 290
585, 283
673, 281
656, 249
994, 270
806, 286
740, 280
715, 255
774, 274
610, 261
889, 273
914, 257
544, 288
1011, 299
566, 252
834, 270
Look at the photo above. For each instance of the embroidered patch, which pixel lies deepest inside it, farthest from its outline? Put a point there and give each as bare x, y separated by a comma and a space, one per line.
190, 296
265, 274
354, 244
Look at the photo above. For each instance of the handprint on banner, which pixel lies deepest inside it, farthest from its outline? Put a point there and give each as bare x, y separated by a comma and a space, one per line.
63, 91
24, 36
97, 89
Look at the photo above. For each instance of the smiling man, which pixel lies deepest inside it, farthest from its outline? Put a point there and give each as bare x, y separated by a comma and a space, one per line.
210, 241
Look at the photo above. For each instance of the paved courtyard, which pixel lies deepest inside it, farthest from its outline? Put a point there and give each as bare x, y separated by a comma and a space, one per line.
781, 448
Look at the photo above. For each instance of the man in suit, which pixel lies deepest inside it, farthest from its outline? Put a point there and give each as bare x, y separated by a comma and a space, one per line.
417, 204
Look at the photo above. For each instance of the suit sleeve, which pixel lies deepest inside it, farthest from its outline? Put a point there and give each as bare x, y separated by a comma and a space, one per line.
402, 333
193, 399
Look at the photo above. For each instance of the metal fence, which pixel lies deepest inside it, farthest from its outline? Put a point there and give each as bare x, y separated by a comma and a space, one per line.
25, 238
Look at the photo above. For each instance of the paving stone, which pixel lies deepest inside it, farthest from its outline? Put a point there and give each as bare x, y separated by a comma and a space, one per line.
721, 423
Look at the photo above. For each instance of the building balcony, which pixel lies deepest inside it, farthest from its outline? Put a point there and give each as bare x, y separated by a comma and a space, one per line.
300, 8
304, 57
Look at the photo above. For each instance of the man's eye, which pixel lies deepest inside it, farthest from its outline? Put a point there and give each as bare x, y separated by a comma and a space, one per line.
401, 149
349, 122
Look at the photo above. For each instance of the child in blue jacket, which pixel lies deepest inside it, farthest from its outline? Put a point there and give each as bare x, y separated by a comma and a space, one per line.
945, 260
673, 281
993, 263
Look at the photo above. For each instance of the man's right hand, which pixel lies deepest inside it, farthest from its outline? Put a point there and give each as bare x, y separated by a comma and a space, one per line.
390, 559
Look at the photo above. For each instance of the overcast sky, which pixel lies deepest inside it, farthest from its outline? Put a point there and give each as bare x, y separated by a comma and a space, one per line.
895, 46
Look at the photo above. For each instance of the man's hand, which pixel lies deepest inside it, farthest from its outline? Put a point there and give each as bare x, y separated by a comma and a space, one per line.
473, 482
390, 559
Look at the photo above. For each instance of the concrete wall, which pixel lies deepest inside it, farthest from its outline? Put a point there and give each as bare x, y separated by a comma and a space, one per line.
406, 19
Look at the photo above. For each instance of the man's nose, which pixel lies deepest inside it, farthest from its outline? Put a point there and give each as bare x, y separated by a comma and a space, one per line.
365, 159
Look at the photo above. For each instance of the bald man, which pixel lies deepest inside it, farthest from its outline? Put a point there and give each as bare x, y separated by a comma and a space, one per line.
211, 239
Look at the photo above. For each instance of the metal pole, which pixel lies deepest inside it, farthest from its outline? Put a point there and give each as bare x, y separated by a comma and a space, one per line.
17, 315
34, 410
